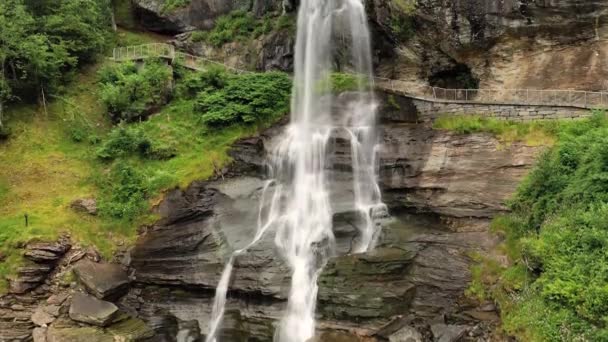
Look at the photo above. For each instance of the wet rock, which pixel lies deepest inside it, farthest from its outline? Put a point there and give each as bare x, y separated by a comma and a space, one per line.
77, 334
131, 329
102, 280
85, 205
448, 333
88, 309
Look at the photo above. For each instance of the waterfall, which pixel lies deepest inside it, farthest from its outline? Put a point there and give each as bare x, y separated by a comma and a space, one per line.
296, 204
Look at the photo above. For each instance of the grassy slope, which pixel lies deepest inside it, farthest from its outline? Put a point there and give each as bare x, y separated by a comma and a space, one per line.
42, 169
552, 288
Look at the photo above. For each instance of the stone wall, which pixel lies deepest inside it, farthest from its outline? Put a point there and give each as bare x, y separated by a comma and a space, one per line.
427, 110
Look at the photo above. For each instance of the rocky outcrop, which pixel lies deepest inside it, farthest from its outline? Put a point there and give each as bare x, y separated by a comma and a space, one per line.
156, 15
500, 43
85, 205
102, 280
413, 283
88, 309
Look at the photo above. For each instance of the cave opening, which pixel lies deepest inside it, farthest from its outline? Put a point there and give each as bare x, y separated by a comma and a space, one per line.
458, 76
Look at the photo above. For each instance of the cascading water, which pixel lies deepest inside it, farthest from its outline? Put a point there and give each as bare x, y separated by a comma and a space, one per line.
296, 202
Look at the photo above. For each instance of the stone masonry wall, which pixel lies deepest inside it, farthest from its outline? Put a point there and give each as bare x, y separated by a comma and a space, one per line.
430, 110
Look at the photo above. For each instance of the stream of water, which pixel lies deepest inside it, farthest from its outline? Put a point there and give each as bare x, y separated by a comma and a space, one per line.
295, 203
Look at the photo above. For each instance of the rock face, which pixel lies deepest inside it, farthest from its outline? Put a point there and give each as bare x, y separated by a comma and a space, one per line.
196, 14
88, 309
418, 271
502, 43
102, 280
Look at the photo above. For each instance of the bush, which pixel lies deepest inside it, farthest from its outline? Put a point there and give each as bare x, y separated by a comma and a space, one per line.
237, 25
338, 82
124, 192
192, 83
125, 141
559, 226
248, 98
129, 92
242, 26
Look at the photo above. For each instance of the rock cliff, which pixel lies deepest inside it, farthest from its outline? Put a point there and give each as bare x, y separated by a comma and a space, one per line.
451, 43
441, 188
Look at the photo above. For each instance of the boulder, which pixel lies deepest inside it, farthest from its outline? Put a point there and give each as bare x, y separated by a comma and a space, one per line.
102, 280
46, 252
78, 334
39, 334
85, 205
448, 333
88, 309
406, 334
41, 317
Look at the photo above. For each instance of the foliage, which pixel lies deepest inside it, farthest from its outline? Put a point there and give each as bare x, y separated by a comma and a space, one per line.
338, 82
533, 133
242, 26
124, 192
172, 5
126, 141
41, 42
406, 6
557, 237
246, 99
52, 159
192, 83
129, 92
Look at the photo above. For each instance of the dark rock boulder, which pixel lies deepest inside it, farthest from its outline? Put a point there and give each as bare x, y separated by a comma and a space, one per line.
90, 310
101, 279
85, 205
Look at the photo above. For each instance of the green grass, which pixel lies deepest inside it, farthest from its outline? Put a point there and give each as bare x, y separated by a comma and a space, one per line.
532, 133
51, 159
555, 287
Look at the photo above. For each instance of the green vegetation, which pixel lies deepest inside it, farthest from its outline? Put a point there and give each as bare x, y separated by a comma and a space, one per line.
129, 92
533, 133
556, 238
245, 99
172, 5
243, 26
338, 82
67, 147
401, 21
42, 42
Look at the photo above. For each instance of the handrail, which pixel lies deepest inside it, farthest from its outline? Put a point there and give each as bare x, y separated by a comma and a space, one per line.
536, 97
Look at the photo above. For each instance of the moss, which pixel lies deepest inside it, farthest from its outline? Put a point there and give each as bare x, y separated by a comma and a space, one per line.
532, 133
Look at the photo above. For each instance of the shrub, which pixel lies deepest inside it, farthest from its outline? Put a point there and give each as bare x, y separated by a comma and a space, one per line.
123, 192
237, 25
248, 98
129, 92
125, 141
558, 230
338, 82
192, 83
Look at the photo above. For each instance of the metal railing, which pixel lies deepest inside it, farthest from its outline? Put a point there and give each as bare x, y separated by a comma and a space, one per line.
162, 50
535, 97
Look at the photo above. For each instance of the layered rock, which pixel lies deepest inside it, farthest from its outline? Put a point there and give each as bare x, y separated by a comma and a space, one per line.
415, 279
501, 43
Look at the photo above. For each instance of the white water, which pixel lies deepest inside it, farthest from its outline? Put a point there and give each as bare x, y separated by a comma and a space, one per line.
296, 204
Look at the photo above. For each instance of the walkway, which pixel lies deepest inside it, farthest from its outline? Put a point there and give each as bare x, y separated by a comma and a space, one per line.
532, 97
